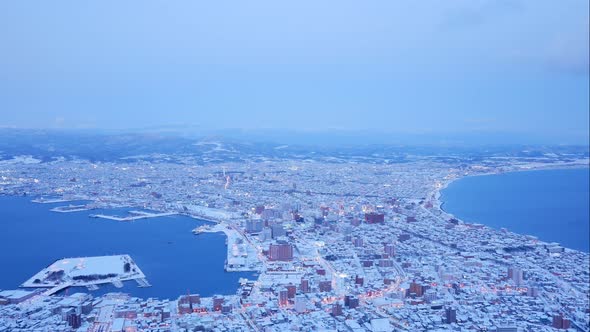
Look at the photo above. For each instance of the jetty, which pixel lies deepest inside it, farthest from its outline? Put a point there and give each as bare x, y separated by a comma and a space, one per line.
133, 215
51, 200
142, 282
70, 208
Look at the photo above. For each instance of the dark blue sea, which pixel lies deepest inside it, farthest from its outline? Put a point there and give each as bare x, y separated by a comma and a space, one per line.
550, 204
174, 260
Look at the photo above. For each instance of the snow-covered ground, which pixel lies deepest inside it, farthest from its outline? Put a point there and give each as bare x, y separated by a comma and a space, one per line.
210, 213
85, 267
241, 254
25, 159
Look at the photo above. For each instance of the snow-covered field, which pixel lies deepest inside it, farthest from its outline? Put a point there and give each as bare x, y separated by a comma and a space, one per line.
20, 160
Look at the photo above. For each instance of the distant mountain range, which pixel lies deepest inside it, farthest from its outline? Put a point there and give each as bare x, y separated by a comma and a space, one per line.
239, 145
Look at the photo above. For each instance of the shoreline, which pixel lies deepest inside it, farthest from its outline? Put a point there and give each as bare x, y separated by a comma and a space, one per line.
241, 255
436, 194
438, 203
191, 219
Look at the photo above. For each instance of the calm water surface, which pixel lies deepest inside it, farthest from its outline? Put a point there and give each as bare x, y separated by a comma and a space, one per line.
550, 204
174, 260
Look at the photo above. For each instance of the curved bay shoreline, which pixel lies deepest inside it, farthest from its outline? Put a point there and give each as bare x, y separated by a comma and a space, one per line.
439, 201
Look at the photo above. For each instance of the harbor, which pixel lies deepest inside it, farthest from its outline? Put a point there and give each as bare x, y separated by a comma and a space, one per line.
159, 246
241, 254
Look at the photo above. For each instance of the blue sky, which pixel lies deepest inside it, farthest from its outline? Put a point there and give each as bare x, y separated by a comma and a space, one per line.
400, 66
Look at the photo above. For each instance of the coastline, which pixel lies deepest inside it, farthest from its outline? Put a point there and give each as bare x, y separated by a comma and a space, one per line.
136, 251
436, 194
438, 202
241, 255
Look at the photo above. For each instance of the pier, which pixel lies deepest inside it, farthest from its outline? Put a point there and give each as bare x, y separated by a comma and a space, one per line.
142, 282
134, 215
51, 200
117, 283
70, 208
56, 289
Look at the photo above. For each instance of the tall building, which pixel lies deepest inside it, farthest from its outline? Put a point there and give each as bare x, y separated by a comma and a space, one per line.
280, 251
74, 320
325, 286
266, 234
217, 303
359, 280
416, 289
304, 286
430, 295
337, 309
351, 301
291, 290
516, 274
269, 214
277, 230
532, 291
367, 263
561, 323
385, 263
226, 308
358, 241
283, 297
450, 315
186, 303
259, 209
374, 218
300, 304
389, 249
254, 225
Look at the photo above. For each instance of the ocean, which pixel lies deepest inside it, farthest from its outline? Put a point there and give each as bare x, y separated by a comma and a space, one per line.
552, 205
173, 259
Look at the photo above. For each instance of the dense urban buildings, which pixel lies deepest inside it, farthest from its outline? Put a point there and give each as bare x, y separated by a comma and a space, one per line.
338, 246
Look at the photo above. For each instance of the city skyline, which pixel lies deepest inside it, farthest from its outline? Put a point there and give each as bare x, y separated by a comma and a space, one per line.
271, 166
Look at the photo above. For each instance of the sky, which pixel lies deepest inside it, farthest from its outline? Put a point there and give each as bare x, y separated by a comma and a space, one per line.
416, 66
